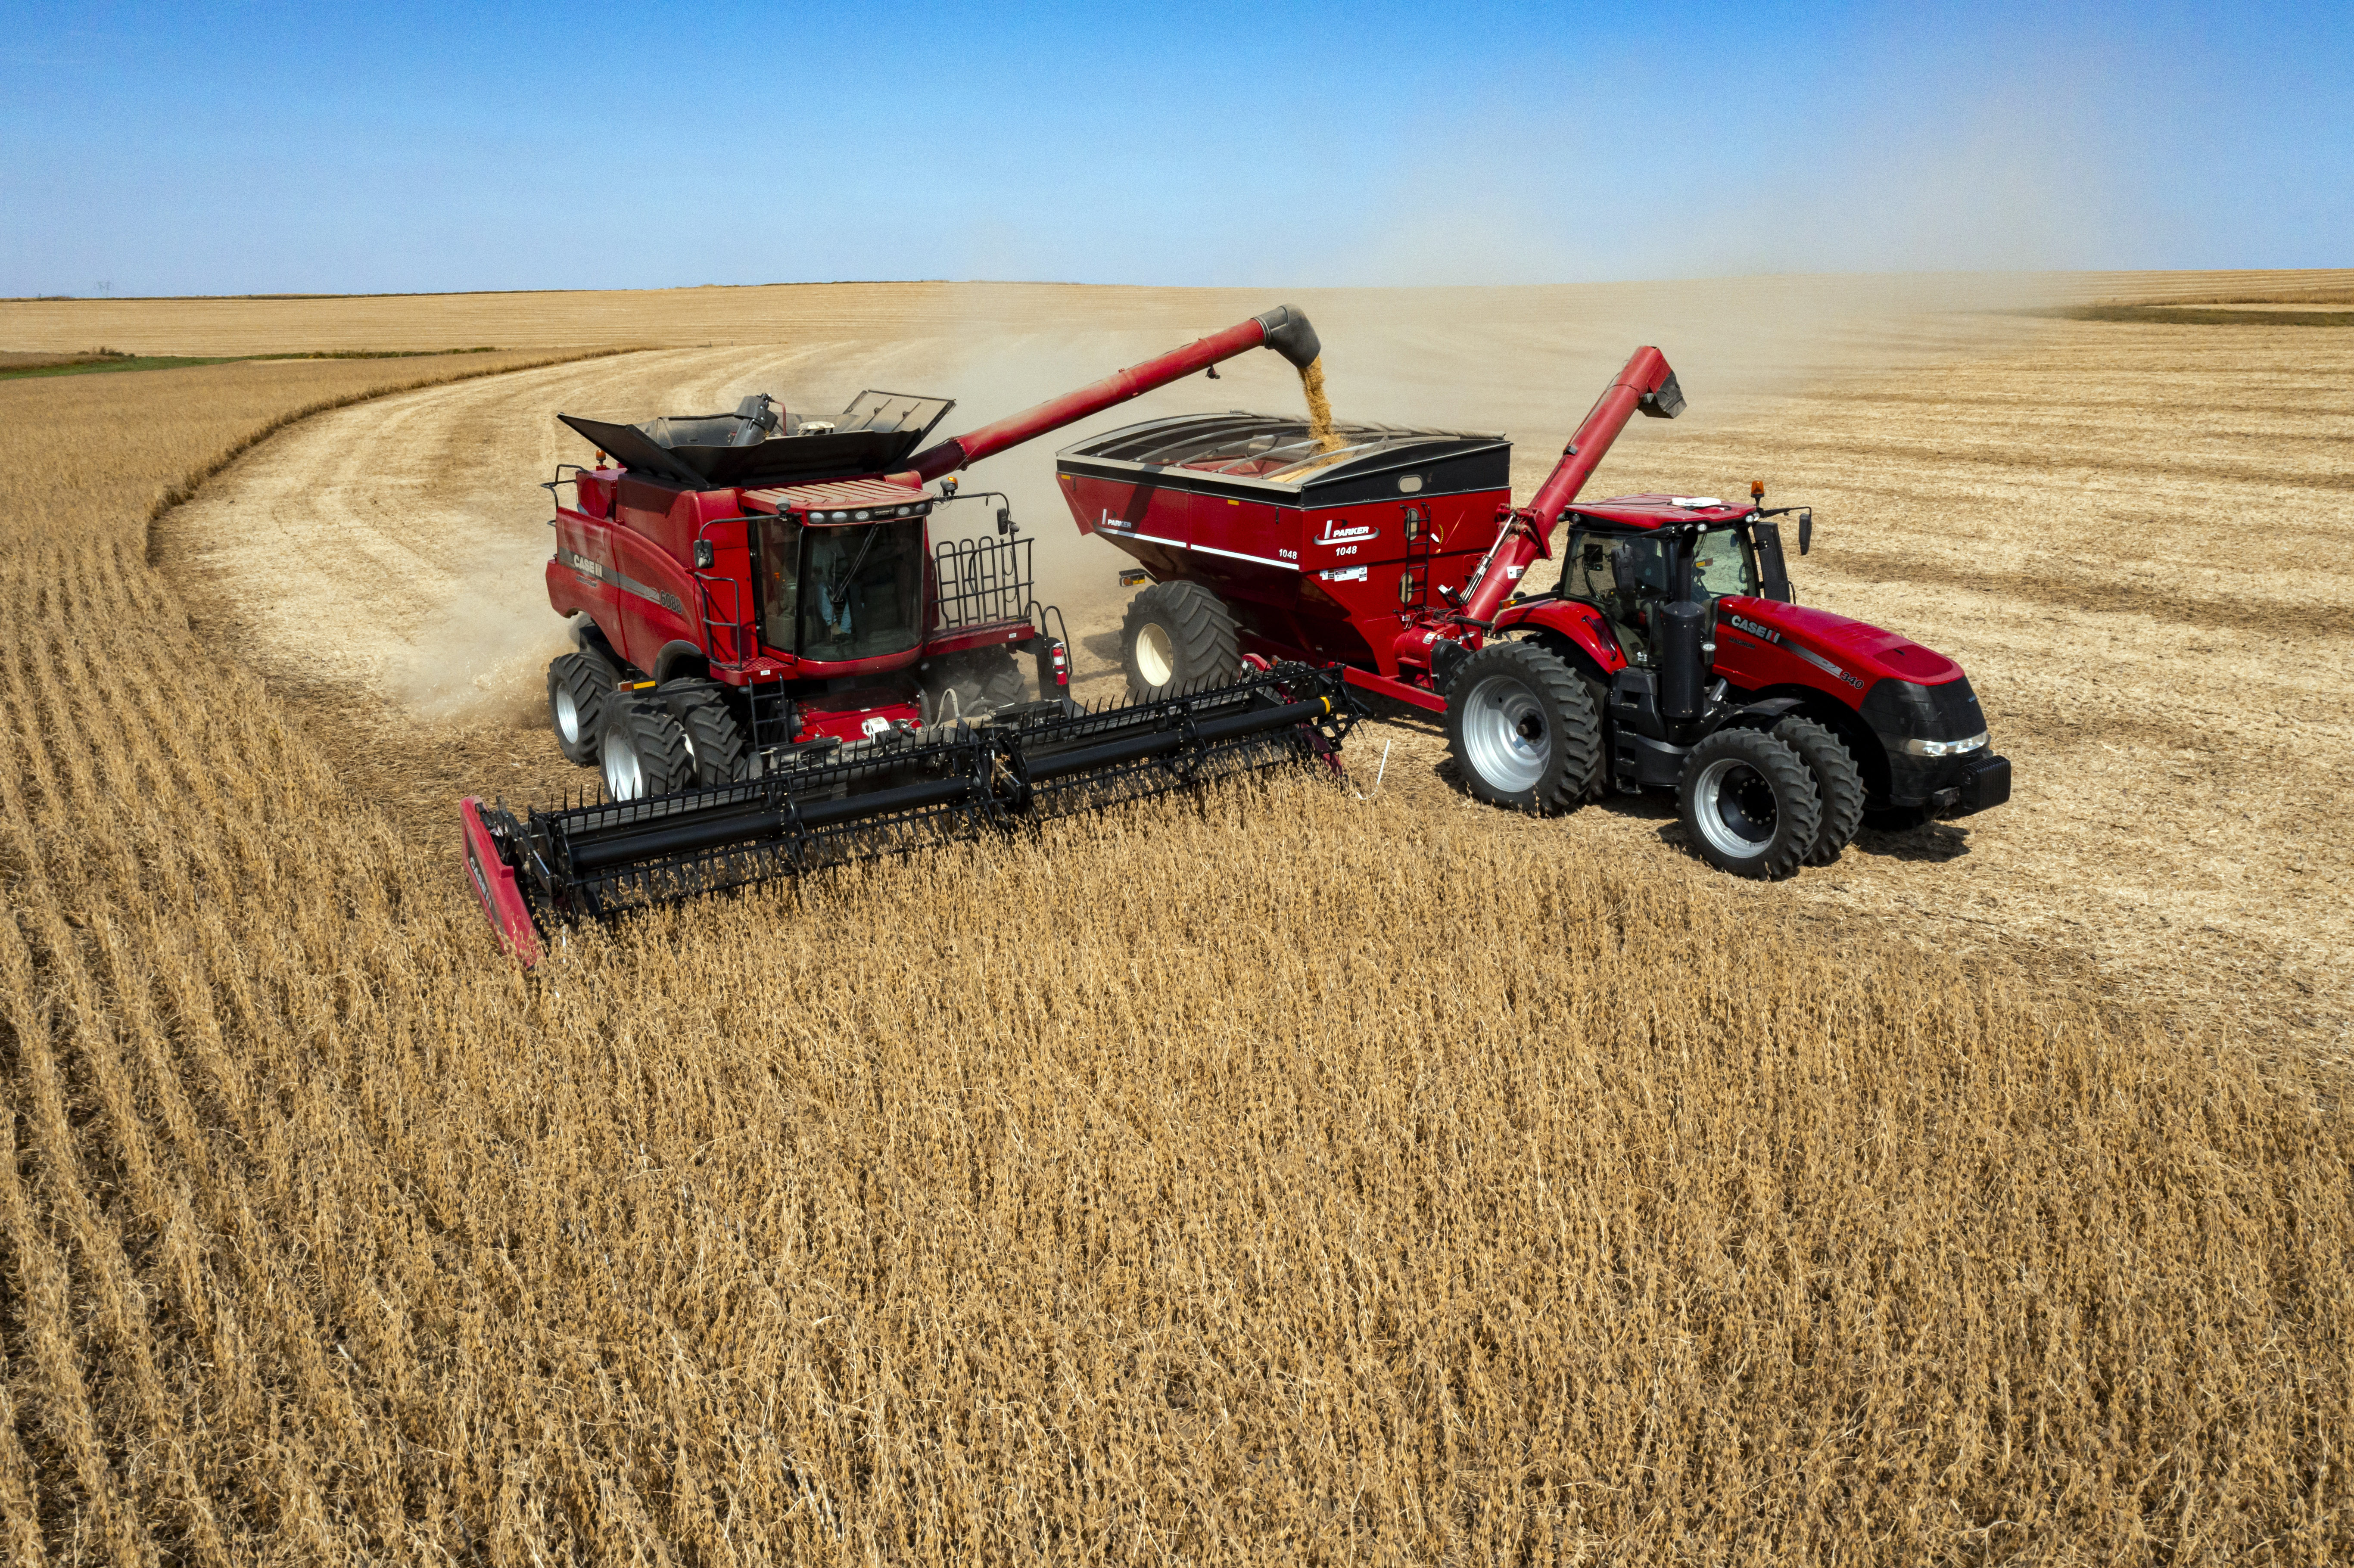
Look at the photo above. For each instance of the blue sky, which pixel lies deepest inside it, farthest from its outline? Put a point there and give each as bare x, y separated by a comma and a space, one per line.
165, 148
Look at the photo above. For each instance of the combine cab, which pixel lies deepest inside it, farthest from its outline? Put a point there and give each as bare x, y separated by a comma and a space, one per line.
1671, 654
778, 664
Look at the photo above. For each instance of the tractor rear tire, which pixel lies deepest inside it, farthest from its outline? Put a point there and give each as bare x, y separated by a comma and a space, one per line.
1522, 729
1178, 637
643, 749
579, 686
714, 740
1749, 804
1838, 785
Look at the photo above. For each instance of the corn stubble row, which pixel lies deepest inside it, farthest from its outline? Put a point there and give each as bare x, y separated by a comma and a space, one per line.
1269, 1177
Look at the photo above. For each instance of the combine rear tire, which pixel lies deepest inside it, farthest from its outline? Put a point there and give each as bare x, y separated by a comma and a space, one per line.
1522, 729
1178, 637
1748, 804
579, 686
1838, 786
714, 740
643, 749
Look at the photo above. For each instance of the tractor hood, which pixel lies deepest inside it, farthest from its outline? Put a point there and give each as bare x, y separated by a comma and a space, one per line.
1852, 650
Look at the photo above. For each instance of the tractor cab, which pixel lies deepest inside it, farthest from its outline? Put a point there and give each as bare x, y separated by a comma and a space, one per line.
1629, 556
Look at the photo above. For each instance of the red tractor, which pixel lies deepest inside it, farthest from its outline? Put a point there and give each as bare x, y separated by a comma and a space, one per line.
778, 667
1672, 654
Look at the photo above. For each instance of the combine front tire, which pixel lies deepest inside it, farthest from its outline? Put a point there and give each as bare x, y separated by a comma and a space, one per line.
1838, 786
1748, 804
644, 748
714, 741
1178, 637
578, 688
1522, 729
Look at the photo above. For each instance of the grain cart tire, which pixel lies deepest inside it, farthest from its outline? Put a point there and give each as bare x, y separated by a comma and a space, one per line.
643, 749
714, 740
578, 685
1748, 804
1178, 637
1838, 787
981, 682
1522, 729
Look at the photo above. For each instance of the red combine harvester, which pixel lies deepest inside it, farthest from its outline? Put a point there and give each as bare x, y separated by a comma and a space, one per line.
778, 668
1671, 654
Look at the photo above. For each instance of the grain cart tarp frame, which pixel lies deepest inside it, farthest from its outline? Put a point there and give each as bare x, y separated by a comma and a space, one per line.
1401, 556
757, 600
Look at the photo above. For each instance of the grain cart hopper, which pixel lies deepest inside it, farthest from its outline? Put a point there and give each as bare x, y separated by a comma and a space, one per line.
777, 667
1671, 654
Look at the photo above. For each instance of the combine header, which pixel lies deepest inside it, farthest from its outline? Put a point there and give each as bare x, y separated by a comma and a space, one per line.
1671, 654
777, 668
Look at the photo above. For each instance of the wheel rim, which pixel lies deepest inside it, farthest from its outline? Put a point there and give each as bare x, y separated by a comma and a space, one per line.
624, 779
1156, 656
1734, 806
567, 717
1504, 734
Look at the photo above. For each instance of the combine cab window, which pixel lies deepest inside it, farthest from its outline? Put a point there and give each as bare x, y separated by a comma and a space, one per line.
861, 589
780, 578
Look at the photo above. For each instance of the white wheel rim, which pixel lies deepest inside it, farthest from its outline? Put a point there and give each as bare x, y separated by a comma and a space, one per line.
1731, 801
567, 717
1505, 735
1156, 656
624, 779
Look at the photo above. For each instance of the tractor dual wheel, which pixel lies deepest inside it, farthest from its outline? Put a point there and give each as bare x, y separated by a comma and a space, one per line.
1178, 637
1749, 804
1522, 728
579, 686
1839, 786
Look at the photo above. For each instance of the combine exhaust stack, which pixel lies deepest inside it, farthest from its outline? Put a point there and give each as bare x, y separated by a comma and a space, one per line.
953, 783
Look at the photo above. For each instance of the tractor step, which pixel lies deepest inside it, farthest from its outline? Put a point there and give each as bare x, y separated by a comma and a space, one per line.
955, 783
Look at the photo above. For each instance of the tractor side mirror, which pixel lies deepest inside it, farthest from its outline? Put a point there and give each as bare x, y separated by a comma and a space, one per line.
703, 553
1805, 531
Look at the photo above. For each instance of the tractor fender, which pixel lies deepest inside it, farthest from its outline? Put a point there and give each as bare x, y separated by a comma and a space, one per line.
1762, 715
1574, 631
679, 657
1870, 752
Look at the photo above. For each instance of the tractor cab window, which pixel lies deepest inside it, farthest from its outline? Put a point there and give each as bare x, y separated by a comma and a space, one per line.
1624, 576
861, 589
1723, 563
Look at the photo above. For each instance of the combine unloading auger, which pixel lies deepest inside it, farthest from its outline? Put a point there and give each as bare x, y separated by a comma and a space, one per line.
956, 783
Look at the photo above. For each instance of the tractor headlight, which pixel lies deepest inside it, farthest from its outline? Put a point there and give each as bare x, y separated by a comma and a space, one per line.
1945, 748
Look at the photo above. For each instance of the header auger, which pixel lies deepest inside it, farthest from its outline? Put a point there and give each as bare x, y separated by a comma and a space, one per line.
778, 668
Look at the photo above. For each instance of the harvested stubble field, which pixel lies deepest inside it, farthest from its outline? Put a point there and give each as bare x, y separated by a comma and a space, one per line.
1280, 1176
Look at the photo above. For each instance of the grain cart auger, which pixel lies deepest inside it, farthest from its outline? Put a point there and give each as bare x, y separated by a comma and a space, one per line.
1671, 654
777, 667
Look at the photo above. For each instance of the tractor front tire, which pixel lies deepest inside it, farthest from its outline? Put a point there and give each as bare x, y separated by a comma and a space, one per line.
643, 749
578, 688
1838, 785
1522, 729
1176, 638
714, 740
1749, 804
